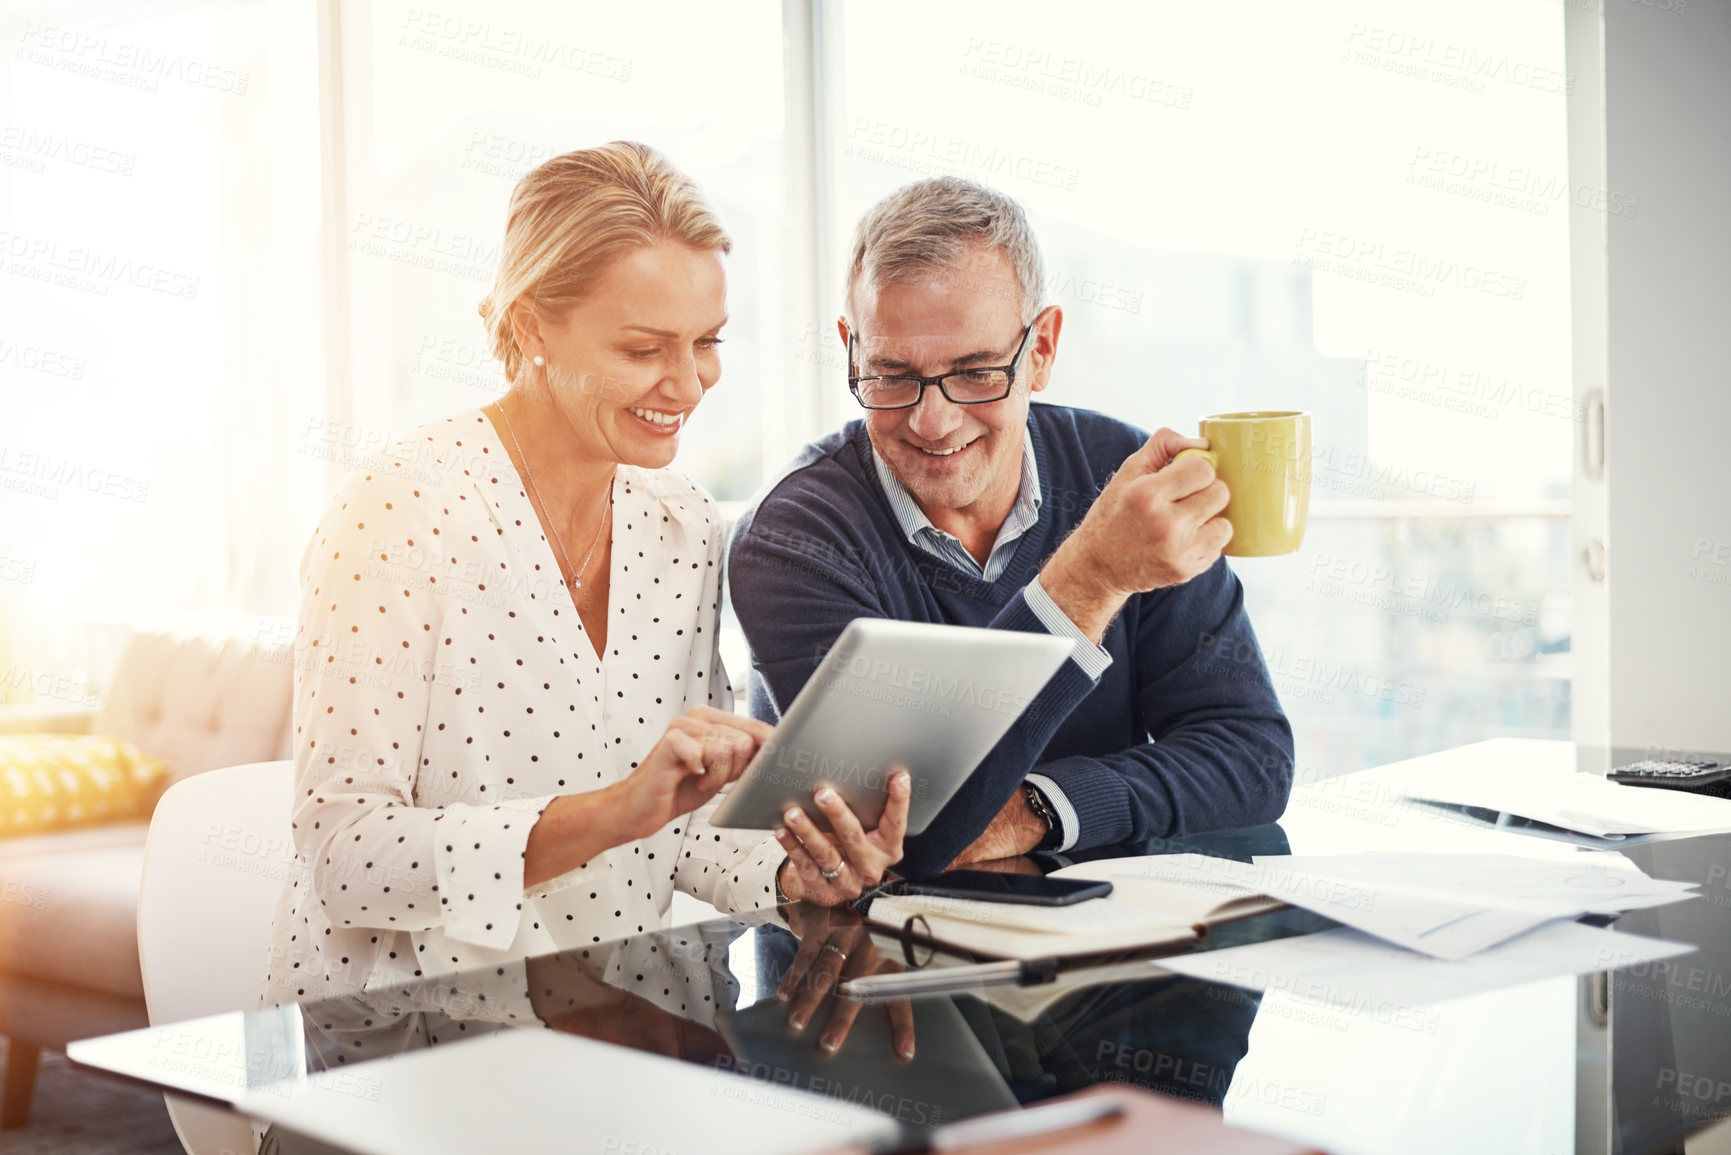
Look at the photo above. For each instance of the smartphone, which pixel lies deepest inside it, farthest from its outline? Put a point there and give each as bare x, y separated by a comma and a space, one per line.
990, 886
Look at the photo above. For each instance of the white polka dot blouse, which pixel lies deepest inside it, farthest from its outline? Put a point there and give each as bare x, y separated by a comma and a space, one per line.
446, 692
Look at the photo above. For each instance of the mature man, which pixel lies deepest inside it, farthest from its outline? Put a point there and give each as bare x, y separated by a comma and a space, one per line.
956, 500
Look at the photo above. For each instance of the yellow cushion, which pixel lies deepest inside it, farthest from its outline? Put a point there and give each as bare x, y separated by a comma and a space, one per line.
55, 781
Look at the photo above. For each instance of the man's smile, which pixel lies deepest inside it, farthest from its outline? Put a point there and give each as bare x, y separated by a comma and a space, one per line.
948, 451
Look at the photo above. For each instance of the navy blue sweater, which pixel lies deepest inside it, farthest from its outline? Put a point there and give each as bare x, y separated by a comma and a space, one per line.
1182, 734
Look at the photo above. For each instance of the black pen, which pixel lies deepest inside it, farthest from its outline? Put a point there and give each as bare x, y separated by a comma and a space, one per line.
901, 984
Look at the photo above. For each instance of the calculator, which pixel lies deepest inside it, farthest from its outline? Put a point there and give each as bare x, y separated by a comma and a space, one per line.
1673, 775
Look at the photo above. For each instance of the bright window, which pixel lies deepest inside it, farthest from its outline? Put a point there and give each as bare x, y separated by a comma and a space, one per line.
447, 108
1358, 210
159, 204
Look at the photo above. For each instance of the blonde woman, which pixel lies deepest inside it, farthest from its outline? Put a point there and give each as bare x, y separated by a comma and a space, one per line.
510, 700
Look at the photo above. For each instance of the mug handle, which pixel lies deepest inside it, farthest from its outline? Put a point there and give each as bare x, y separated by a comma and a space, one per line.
1213, 457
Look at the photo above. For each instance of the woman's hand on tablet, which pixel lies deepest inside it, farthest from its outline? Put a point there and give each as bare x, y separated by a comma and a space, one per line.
702, 751
829, 869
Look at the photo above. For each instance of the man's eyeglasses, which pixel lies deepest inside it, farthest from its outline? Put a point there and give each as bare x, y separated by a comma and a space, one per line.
962, 386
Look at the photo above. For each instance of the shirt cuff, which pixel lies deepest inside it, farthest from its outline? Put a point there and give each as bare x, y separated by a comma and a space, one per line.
1093, 659
478, 853
1068, 824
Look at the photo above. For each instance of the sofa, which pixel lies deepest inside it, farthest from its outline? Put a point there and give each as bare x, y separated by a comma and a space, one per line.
199, 697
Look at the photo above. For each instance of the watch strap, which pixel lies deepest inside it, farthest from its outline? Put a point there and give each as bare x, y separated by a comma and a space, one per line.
1042, 806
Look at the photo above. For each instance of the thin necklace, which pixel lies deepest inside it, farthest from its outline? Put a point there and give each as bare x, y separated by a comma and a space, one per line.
577, 575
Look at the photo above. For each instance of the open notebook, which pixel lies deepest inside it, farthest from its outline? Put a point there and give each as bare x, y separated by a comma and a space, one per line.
1140, 913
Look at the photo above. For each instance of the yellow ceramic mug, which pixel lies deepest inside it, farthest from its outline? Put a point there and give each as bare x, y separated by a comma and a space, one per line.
1264, 459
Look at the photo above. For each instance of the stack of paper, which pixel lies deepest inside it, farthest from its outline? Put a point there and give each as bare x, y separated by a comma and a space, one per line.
1529, 780
1349, 970
1445, 905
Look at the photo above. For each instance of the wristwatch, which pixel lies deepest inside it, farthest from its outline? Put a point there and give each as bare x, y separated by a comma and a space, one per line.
781, 897
1041, 806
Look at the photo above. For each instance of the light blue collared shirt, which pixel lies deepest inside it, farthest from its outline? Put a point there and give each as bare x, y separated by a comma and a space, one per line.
947, 547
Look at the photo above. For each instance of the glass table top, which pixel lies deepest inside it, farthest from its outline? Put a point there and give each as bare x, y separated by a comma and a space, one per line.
1626, 1061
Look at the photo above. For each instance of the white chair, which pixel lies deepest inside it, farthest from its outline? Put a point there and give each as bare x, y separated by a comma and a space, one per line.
219, 847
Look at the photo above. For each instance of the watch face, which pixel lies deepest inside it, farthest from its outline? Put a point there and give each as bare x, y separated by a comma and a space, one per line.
1038, 803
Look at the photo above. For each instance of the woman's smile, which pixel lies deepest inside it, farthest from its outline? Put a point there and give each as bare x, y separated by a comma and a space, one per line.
659, 422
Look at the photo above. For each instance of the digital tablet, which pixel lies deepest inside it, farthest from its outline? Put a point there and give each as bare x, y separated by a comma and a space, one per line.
932, 698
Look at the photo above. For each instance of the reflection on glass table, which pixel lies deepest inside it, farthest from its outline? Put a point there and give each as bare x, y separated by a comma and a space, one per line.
751, 1001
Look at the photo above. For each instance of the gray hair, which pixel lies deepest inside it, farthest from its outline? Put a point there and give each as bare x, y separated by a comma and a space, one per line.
931, 224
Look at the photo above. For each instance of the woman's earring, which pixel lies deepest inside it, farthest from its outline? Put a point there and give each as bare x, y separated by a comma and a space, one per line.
538, 359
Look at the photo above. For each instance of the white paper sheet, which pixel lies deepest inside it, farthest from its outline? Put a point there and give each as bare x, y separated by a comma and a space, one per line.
451, 1099
1351, 970
1436, 926
1447, 906
1442, 927
1582, 883
1562, 797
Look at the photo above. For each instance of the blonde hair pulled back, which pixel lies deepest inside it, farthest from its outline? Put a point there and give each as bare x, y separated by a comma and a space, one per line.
573, 215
